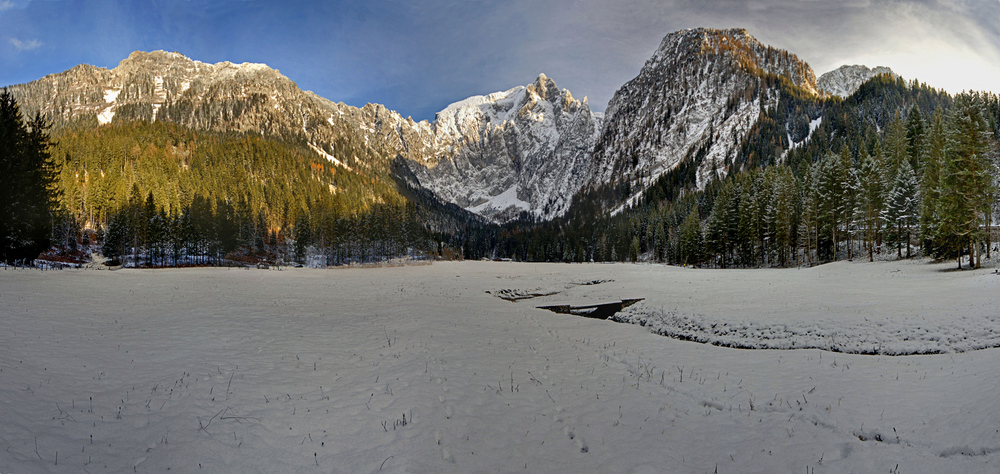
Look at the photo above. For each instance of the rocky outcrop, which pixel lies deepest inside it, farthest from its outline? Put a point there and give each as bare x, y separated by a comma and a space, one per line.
846, 80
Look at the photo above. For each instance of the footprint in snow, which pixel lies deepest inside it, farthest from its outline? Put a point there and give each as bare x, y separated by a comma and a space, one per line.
580, 442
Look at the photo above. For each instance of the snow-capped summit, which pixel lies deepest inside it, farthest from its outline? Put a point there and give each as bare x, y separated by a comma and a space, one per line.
845, 80
523, 149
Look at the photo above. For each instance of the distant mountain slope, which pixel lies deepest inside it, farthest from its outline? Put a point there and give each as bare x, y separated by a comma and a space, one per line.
845, 80
696, 99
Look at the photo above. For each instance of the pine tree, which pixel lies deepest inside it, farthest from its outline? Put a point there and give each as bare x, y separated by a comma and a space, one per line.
901, 208
930, 184
837, 184
781, 212
896, 146
717, 242
302, 238
965, 179
849, 186
691, 241
117, 237
28, 178
872, 197
916, 138
748, 227
809, 217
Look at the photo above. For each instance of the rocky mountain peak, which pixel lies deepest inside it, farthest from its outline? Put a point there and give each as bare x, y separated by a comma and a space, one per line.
734, 45
693, 101
543, 87
846, 80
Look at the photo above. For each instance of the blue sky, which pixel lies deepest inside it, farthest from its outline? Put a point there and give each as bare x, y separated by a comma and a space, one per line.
418, 56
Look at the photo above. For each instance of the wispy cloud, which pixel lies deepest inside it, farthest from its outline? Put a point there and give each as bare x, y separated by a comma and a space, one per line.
11, 4
25, 45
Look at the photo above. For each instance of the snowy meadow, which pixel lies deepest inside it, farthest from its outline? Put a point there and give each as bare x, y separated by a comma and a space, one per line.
846, 367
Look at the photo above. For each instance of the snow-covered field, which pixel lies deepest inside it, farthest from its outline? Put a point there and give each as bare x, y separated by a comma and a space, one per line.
304, 370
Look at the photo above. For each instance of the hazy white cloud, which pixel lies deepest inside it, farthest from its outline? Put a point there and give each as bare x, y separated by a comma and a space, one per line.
24, 45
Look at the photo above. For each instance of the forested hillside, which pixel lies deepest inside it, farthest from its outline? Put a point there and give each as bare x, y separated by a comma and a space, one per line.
174, 195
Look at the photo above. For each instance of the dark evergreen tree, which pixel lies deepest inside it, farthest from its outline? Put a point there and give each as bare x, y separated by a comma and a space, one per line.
690, 240
931, 184
916, 138
901, 208
303, 236
966, 179
872, 196
28, 195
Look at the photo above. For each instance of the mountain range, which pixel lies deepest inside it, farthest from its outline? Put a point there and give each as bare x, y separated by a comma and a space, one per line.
521, 153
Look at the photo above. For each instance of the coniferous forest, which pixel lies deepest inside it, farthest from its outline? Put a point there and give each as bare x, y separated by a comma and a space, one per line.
894, 170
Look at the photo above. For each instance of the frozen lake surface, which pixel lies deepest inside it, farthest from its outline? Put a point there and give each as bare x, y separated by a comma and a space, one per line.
425, 369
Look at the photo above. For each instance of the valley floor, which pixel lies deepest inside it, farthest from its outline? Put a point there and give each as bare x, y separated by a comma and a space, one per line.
423, 369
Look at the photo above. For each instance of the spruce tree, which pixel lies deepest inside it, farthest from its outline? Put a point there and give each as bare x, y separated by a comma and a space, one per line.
965, 179
691, 241
916, 138
28, 176
901, 208
872, 197
930, 184
896, 145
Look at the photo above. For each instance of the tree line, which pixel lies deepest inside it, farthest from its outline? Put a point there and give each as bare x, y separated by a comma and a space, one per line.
217, 232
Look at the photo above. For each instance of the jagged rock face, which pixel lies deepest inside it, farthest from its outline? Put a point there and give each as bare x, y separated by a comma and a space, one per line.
846, 80
170, 87
695, 98
525, 149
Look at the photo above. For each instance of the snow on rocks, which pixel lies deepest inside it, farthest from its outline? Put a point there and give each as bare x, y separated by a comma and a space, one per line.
845, 80
526, 149
110, 95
